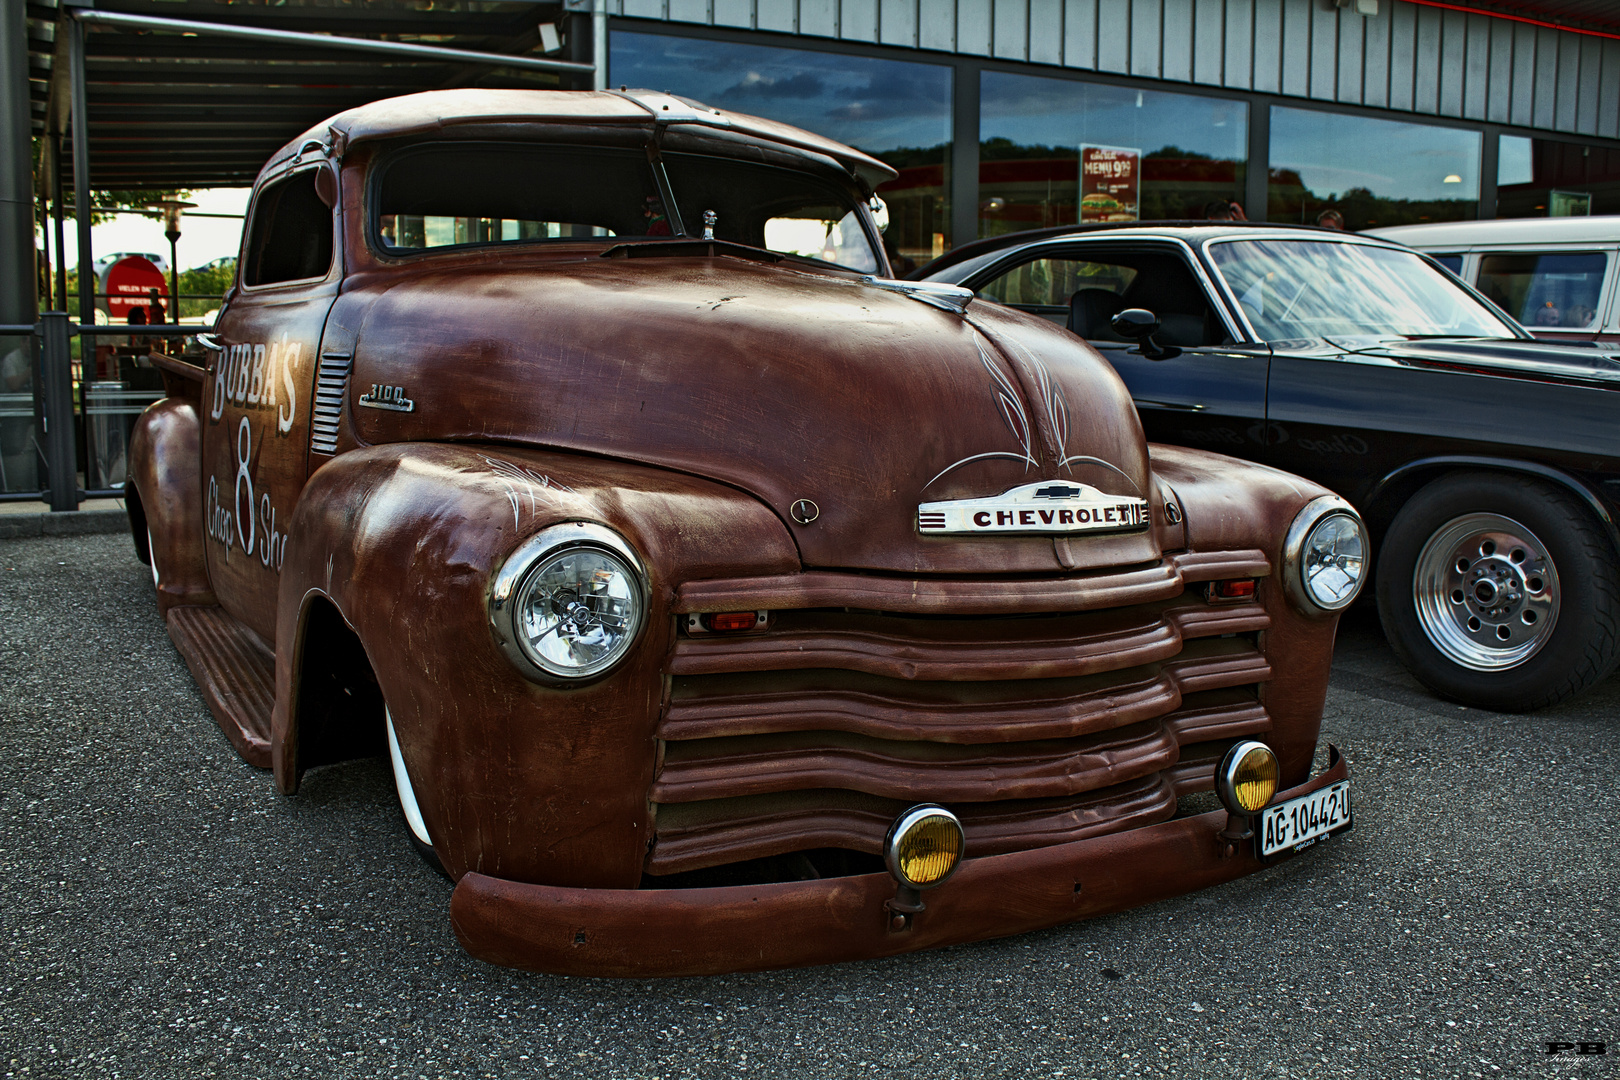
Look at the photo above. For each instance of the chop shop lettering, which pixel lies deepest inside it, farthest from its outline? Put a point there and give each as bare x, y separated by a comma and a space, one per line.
239, 512
1109, 183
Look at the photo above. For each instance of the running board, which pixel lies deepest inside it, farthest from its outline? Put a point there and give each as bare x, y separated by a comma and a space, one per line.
235, 672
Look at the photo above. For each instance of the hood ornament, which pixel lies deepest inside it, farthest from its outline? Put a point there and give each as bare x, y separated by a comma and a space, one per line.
1055, 507
952, 298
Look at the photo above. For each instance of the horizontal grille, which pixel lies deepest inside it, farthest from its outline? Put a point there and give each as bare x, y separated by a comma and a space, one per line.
331, 383
1035, 729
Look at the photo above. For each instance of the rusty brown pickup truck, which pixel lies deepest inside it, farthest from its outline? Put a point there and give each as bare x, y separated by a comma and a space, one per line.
721, 602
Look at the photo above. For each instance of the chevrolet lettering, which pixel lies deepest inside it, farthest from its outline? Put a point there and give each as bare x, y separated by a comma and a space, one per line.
1045, 507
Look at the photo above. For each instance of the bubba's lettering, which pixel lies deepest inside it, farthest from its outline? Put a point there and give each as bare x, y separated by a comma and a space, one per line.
248, 376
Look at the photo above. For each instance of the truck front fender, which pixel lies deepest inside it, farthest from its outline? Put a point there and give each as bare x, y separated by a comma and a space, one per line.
513, 777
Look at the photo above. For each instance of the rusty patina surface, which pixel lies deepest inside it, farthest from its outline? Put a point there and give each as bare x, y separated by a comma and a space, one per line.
1060, 691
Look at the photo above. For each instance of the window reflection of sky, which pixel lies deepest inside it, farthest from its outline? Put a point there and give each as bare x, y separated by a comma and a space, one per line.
1031, 111
1334, 153
1305, 288
876, 105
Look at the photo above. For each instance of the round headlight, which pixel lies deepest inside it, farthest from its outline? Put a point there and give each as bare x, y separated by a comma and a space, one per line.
924, 846
1325, 556
569, 602
1247, 778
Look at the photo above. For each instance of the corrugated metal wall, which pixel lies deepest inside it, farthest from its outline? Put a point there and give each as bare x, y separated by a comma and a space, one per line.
1408, 57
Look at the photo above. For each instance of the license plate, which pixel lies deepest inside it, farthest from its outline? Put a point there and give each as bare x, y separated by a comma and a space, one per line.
1299, 823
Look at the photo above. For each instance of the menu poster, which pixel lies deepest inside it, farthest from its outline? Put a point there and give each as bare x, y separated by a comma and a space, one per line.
1109, 179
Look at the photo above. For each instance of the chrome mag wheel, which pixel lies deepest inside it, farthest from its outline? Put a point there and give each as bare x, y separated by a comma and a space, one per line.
1486, 591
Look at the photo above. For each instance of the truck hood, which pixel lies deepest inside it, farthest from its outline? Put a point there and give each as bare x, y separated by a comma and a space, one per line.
786, 383
1494, 356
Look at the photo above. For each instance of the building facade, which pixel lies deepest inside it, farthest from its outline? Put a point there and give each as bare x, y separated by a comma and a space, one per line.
1014, 114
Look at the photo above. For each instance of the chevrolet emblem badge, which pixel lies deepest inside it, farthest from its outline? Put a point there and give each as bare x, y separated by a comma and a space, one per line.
1060, 508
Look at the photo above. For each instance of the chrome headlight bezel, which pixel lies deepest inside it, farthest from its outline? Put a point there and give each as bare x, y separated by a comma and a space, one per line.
1306, 522
507, 586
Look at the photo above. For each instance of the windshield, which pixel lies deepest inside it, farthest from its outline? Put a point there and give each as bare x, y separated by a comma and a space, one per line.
464, 194
1293, 289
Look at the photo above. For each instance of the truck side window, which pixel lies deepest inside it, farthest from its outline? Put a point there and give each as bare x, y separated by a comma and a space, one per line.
291, 237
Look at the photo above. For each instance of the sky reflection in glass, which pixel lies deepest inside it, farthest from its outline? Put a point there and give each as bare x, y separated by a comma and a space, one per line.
875, 105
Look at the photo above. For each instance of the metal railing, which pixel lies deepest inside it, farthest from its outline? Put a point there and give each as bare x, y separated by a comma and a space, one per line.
69, 423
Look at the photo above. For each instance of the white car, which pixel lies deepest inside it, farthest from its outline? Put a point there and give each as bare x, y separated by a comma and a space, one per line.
1557, 276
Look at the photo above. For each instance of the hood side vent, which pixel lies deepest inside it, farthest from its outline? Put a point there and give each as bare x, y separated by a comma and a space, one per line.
331, 384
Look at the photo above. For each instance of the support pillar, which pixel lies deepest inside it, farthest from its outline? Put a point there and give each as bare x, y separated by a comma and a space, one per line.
81, 180
19, 269
964, 175
56, 395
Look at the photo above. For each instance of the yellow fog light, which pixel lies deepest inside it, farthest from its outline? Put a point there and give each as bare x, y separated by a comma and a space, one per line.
1247, 778
924, 846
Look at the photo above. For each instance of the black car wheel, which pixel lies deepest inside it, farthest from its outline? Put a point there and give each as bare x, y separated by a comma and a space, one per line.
1499, 591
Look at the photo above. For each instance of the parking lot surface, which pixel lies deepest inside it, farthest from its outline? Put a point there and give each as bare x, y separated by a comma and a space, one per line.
165, 912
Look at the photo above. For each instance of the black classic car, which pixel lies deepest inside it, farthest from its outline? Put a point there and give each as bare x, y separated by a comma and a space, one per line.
1485, 462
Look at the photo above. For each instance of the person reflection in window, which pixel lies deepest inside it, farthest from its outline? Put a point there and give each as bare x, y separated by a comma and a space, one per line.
657, 218
1224, 210
1578, 315
1330, 219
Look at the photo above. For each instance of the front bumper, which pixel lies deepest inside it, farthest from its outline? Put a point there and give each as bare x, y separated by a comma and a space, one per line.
667, 932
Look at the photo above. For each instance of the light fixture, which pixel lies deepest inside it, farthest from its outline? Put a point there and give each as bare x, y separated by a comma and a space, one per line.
1452, 179
1324, 556
923, 849
569, 602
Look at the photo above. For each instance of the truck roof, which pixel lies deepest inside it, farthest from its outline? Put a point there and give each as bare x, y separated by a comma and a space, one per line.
440, 109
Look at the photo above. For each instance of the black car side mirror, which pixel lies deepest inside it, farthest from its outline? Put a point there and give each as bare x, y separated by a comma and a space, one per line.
1140, 325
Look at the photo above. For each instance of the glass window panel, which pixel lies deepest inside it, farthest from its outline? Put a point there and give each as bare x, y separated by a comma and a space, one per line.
1513, 161
1450, 262
1551, 178
19, 462
1546, 292
1293, 289
1192, 149
898, 111
1373, 172
1051, 282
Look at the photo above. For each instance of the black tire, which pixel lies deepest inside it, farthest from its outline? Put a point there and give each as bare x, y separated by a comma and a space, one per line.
1581, 597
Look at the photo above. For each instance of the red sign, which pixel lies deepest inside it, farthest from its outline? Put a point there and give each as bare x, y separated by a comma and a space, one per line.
1109, 182
130, 282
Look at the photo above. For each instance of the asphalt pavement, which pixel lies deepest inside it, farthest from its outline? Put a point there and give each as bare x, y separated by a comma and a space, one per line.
164, 912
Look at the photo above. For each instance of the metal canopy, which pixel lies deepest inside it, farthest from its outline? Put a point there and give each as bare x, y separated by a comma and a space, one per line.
170, 105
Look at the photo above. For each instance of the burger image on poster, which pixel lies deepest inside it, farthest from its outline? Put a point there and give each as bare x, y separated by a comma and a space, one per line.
1108, 183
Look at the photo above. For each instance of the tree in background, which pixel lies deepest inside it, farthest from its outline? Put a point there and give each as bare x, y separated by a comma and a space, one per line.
209, 281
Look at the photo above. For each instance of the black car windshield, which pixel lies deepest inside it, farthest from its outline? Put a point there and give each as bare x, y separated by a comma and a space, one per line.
463, 194
1292, 289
